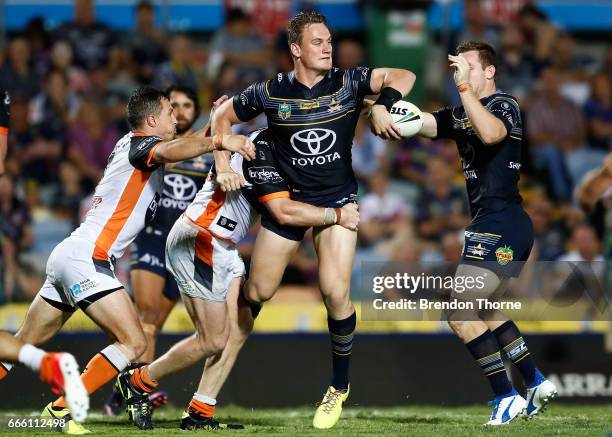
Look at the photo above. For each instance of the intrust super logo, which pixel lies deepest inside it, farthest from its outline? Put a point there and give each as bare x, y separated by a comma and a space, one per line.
315, 146
265, 175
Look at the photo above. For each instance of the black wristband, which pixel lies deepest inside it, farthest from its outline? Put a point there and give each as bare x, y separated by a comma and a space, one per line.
388, 97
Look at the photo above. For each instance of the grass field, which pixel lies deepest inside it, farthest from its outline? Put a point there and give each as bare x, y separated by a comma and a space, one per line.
560, 420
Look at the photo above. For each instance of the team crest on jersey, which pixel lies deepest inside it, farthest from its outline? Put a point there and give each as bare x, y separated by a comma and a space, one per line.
284, 110
504, 255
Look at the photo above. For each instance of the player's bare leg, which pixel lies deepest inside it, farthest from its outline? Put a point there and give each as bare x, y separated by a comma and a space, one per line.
153, 310
219, 366
335, 248
116, 315
210, 319
270, 258
148, 290
211, 322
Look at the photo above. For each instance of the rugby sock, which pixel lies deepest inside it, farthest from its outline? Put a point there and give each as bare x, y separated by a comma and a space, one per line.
103, 367
31, 356
141, 380
202, 406
485, 351
510, 340
341, 333
5, 368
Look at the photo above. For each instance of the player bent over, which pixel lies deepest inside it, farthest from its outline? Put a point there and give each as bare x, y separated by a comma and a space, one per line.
312, 113
80, 269
60, 370
488, 131
201, 253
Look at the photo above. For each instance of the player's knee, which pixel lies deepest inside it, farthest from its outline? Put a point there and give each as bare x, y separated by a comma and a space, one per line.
135, 344
218, 343
256, 292
34, 338
338, 300
212, 344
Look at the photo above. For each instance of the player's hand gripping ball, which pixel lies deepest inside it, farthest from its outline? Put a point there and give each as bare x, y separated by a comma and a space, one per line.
407, 117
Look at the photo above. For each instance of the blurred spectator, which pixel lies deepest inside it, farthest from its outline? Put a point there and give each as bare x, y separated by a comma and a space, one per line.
178, 69
584, 245
517, 69
572, 66
557, 133
349, 53
539, 32
369, 151
238, 44
61, 60
587, 261
282, 57
91, 141
53, 110
598, 112
15, 215
549, 235
385, 216
441, 206
573, 69
228, 81
18, 76
40, 44
67, 200
91, 40
478, 26
146, 43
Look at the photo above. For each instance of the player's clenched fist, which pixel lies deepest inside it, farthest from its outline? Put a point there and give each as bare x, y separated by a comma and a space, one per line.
229, 180
382, 123
350, 216
239, 144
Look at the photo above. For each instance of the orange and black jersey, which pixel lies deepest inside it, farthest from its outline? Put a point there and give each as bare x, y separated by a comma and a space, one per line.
312, 128
491, 171
5, 111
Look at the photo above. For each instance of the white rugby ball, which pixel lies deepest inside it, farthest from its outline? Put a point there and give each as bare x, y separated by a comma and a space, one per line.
407, 117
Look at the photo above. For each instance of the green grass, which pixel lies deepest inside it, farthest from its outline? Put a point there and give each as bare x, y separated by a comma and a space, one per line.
559, 420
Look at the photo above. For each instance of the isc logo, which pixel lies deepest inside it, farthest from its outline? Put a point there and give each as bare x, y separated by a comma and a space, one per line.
398, 111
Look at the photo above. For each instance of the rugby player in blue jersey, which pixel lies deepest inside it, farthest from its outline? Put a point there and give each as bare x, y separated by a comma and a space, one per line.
488, 130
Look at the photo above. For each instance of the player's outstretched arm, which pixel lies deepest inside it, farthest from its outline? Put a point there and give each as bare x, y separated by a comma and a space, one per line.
490, 129
289, 212
392, 84
190, 147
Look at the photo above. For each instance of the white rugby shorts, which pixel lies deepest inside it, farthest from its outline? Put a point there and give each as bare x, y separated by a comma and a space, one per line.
202, 264
74, 278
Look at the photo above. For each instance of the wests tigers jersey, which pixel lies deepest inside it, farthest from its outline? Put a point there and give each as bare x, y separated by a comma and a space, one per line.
230, 215
125, 198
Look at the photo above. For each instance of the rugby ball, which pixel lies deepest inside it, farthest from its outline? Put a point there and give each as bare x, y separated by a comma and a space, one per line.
407, 117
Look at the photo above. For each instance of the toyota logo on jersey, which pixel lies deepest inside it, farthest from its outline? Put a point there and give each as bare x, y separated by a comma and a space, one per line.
314, 145
179, 187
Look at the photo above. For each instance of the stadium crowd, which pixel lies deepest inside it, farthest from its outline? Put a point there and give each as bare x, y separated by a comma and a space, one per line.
69, 87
